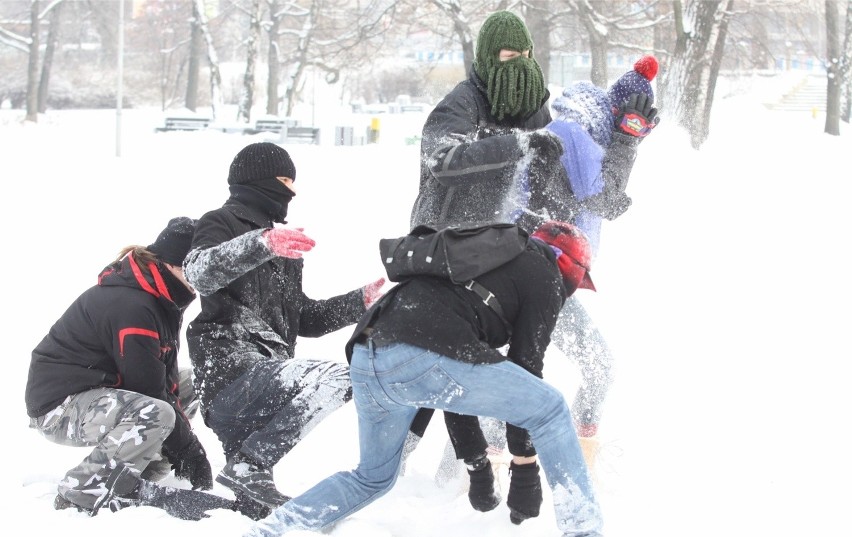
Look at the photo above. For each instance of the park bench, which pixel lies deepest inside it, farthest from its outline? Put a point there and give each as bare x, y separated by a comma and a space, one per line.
184, 124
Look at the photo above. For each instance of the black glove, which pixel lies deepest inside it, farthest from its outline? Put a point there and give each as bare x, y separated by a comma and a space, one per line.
637, 116
191, 463
545, 143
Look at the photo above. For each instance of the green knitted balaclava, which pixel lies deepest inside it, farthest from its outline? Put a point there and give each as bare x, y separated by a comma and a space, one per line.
515, 87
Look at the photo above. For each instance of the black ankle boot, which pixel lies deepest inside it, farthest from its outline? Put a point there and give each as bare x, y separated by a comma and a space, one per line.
482, 495
525, 498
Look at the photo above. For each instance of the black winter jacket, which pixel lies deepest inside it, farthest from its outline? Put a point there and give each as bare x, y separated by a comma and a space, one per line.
469, 163
447, 318
122, 333
468, 158
252, 304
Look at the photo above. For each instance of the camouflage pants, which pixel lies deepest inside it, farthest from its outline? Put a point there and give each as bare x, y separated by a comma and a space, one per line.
124, 427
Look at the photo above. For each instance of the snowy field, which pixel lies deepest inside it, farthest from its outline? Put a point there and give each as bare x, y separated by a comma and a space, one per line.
724, 291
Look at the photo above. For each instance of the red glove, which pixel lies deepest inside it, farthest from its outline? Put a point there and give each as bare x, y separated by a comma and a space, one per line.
290, 243
373, 292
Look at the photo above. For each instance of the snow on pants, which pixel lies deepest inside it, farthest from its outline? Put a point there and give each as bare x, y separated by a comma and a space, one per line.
577, 337
124, 427
390, 383
273, 405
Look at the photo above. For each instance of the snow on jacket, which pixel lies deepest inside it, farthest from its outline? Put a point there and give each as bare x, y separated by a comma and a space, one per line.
252, 304
122, 333
474, 170
438, 315
468, 158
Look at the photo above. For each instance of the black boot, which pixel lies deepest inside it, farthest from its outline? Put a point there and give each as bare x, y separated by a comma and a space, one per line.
525, 498
482, 495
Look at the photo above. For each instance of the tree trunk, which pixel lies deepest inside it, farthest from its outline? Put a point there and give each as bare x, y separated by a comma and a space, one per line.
598, 44
539, 27
247, 97
461, 28
833, 68
194, 68
47, 64
691, 79
846, 64
273, 60
32, 67
213, 59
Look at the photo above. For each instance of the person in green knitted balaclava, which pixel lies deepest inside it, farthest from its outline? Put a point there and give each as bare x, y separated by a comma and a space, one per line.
516, 85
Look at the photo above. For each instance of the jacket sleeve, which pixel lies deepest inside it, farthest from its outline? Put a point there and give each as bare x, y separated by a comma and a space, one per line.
216, 259
616, 167
139, 361
321, 317
454, 151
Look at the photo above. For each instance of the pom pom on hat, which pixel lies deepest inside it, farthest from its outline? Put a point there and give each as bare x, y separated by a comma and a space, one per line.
259, 161
174, 241
637, 80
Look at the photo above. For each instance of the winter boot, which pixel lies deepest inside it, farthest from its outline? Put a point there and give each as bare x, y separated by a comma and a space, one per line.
242, 473
250, 508
525, 495
482, 495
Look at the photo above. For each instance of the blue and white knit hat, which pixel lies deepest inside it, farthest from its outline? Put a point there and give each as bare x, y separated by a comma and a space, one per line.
589, 106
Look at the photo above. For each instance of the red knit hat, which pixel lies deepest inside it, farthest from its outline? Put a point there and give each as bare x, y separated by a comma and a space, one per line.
574, 255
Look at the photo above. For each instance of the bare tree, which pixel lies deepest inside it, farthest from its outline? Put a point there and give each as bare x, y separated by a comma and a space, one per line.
212, 59
32, 65
690, 81
49, 51
196, 47
247, 96
832, 68
327, 36
846, 66
452, 9
273, 58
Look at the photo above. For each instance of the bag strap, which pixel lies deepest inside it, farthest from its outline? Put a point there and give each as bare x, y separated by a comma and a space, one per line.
490, 300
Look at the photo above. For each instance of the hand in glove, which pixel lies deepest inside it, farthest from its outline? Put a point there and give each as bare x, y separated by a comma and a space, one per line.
191, 463
285, 242
545, 143
373, 292
637, 116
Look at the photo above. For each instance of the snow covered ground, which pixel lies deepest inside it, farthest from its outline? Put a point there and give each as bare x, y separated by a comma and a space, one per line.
724, 292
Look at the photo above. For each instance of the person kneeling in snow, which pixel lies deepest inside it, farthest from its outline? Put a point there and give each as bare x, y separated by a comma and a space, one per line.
255, 395
106, 375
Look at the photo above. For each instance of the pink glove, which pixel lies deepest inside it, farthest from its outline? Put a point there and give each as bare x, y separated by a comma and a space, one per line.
373, 292
290, 243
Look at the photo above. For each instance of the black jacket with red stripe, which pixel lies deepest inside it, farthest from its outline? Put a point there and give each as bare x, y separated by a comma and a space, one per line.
122, 333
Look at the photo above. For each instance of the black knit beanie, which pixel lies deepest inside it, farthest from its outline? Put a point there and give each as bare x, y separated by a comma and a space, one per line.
173, 242
259, 161
515, 87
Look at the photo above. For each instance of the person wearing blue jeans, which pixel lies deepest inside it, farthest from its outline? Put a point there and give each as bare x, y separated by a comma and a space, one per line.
444, 355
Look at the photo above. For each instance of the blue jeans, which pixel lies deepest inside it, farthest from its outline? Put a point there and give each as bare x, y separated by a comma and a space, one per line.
391, 382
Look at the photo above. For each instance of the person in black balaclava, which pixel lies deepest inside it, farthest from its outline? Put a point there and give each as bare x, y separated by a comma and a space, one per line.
247, 267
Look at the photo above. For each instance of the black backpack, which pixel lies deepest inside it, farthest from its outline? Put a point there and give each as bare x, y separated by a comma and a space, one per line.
460, 254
